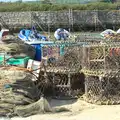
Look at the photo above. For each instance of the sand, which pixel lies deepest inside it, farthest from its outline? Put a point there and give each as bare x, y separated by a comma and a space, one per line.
79, 110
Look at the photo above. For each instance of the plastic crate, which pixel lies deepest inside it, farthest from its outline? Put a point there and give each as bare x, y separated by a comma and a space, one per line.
14, 61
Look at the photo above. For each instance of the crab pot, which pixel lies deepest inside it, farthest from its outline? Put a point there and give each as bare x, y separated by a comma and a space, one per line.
63, 74
102, 90
89, 38
61, 83
101, 56
51, 53
68, 85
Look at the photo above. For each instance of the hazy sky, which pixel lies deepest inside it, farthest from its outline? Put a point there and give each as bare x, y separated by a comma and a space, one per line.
15, 0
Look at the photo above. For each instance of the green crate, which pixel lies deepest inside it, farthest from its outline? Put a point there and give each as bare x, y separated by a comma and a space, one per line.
15, 61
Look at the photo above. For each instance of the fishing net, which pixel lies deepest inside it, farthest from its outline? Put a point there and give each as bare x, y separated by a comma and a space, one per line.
16, 89
19, 96
13, 46
41, 106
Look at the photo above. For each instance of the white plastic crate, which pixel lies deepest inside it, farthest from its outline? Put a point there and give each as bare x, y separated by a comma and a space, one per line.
34, 65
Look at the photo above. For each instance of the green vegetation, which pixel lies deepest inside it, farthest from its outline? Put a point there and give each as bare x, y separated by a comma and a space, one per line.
11, 7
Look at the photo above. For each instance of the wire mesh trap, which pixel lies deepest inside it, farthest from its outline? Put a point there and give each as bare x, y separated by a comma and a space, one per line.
62, 85
101, 58
89, 38
63, 71
103, 91
113, 37
101, 64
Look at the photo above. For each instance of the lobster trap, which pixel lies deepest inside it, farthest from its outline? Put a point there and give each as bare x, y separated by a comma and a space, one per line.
103, 90
63, 73
113, 37
101, 64
88, 38
63, 83
99, 59
51, 53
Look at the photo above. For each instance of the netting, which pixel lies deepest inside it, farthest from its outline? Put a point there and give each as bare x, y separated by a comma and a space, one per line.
61, 69
15, 47
103, 91
19, 96
88, 38
114, 37
16, 89
101, 66
101, 57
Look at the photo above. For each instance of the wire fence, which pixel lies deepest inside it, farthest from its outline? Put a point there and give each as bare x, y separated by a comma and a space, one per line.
71, 20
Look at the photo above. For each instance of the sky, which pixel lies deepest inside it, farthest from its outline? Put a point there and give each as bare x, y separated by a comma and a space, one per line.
15, 0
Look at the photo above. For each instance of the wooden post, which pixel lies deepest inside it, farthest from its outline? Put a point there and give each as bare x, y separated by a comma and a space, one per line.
53, 74
101, 92
86, 86
69, 83
4, 59
104, 54
88, 58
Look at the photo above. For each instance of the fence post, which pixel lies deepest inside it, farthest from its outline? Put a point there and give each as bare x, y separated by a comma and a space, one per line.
86, 86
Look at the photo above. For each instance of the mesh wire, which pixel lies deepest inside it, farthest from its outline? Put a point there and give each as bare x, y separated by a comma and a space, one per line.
61, 68
101, 63
101, 57
102, 91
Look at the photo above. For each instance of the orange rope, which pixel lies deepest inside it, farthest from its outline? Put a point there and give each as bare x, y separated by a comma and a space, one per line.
20, 68
15, 68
